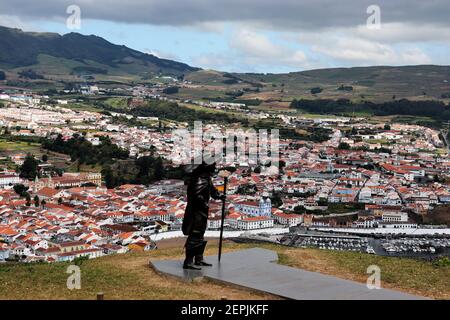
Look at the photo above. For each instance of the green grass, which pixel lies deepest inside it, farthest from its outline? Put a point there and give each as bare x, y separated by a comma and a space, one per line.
73, 167
18, 146
409, 275
236, 114
125, 276
375, 141
82, 107
129, 277
119, 103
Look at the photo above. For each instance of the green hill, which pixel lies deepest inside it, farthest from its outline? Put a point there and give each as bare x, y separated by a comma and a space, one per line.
377, 83
51, 54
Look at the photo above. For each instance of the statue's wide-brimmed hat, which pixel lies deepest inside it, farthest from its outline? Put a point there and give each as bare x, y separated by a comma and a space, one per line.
199, 168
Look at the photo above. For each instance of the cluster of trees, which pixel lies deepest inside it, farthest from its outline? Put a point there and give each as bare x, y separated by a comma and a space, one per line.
345, 88
316, 90
313, 133
30, 168
173, 111
144, 170
318, 134
85, 152
344, 146
30, 74
230, 81
88, 70
22, 191
276, 200
171, 90
247, 189
433, 109
118, 168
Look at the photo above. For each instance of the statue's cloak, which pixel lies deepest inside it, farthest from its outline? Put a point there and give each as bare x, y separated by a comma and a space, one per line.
200, 190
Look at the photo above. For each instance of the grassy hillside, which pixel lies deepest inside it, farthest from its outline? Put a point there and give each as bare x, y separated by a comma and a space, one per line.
50, 55
378, 84
129, 276
372, 83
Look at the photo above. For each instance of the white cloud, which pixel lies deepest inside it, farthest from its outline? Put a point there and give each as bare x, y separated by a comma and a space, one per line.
162, 54
215, 61
362, 46
11, 21
414, 56
282, 14
214, 27
257, 48
331, 33
403, 32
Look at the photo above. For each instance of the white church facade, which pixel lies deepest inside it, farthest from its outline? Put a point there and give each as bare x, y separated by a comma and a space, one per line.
261, 208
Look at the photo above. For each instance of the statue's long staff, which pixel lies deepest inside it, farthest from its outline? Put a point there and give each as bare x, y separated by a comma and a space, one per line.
225, 181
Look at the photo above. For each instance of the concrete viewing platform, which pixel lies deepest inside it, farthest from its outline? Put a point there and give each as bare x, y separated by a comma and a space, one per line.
256, 269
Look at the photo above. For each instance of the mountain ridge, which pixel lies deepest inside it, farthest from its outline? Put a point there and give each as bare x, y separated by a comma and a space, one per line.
45, 59
22, 49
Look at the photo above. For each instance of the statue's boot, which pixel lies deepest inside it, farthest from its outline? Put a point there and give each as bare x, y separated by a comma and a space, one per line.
199, 260
189, 261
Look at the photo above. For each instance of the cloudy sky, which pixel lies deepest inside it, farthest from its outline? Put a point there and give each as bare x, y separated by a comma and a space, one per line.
256, 35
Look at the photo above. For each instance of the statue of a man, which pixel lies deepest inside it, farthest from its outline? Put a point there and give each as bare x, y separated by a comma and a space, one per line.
200, 190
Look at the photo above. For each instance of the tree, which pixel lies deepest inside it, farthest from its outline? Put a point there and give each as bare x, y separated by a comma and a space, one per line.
28, 198
171, 90
110, 180
36, 201
276, 200
344, 146
316, 90
159, 169
387, 127
247, 189
29, 168
44, 158
20, 189
282, 164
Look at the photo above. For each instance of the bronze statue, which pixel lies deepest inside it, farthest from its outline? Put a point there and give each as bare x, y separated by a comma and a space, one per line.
200, 190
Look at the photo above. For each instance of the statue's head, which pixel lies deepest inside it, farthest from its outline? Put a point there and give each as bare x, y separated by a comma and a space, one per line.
204, 169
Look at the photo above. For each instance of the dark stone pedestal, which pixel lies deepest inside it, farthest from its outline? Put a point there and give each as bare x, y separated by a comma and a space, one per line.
256, 269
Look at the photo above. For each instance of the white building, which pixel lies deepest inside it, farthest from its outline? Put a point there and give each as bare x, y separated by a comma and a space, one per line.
214, 223
253, 208
252, 223
397, 225
394, 217
7, 179
89, 253
288, 219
